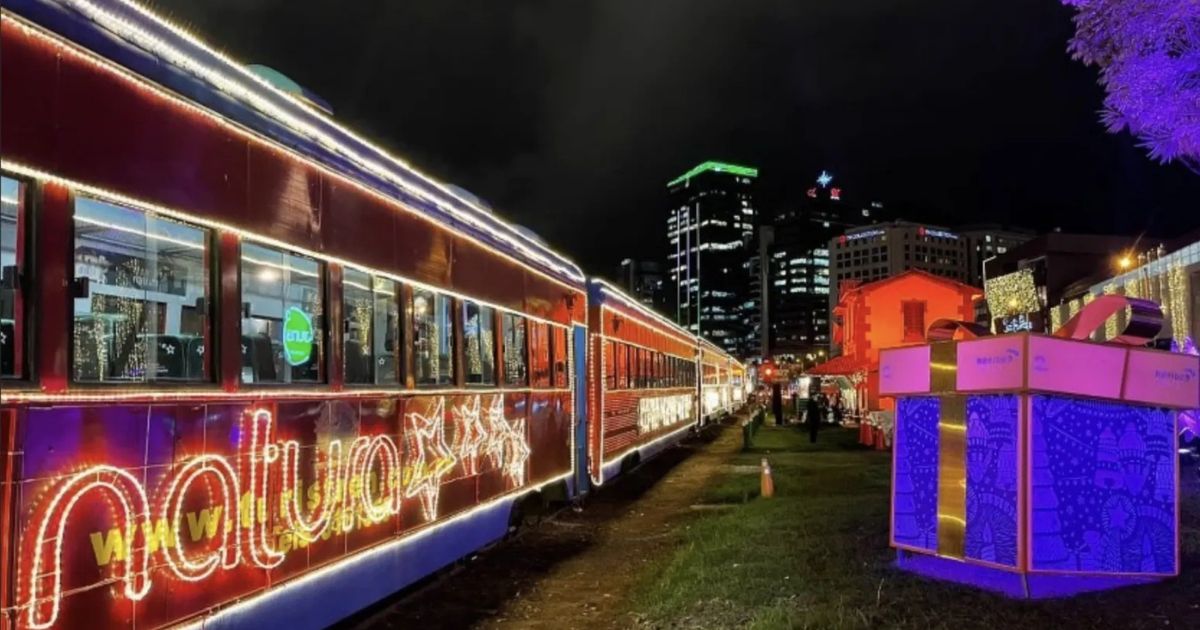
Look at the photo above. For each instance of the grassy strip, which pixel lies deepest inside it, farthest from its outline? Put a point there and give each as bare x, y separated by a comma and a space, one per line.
816, 556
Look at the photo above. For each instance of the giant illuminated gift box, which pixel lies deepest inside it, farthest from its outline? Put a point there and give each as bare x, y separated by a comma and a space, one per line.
1038, 466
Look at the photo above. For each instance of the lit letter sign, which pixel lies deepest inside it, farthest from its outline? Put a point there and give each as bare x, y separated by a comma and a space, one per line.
212, 513
663, 412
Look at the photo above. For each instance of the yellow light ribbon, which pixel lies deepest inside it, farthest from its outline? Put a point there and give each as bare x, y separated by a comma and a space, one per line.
952, 449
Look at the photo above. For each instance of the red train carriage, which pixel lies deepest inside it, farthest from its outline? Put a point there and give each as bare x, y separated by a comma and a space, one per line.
722, 380
738, 384
643, 381
257, 372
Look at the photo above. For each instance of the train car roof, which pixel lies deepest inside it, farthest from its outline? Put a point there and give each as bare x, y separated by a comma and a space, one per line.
130, 35
601, 291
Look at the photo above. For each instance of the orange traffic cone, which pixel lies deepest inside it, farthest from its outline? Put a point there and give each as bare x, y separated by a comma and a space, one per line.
767, 482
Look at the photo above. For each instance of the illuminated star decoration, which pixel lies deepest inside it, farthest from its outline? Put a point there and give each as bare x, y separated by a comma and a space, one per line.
433, 458
824, 179
506, 444
516, 452
470, 435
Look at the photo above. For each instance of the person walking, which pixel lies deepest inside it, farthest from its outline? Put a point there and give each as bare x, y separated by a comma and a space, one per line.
838, 414
813, 419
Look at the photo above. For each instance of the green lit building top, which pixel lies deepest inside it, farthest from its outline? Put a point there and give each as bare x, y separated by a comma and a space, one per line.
718, 167
711, 226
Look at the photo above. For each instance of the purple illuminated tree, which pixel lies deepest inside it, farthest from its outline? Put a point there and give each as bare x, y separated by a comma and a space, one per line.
1148, 53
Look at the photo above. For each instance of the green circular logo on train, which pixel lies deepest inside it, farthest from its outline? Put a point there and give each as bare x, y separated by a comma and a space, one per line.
297, 336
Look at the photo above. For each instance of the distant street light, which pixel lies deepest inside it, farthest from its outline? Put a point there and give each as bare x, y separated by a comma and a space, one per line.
1125, 262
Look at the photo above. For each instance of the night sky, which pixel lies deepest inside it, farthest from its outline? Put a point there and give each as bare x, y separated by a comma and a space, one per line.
570, 116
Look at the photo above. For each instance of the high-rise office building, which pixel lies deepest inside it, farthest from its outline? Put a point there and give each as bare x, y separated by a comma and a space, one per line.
796, 275
710, 229
643, 279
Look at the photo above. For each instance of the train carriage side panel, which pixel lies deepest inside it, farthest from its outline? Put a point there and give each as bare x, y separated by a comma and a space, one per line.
642, 382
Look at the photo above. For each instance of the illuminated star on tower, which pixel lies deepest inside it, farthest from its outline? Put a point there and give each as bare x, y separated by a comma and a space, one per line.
824, 179
433, 458
470, 435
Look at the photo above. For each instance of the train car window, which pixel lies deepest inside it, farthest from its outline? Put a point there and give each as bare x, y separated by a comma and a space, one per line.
539, 353
140, 296
612, 364
385, 331
559, 355
433, 338
479, 335
516, 369
647, 368
631, 361
283, 316
371, 329
12, 264
358, 301
637, 360
622, 363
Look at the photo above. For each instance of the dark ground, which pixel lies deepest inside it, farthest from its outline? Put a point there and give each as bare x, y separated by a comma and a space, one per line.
575, 569
685, 542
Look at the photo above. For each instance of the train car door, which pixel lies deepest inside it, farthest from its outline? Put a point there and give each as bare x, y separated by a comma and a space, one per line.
581, 411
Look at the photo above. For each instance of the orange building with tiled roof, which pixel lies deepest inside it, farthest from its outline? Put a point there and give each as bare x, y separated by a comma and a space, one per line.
886, 313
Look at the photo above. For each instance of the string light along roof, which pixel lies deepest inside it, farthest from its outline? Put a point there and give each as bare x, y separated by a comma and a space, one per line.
124, 31
602, 291
719, 167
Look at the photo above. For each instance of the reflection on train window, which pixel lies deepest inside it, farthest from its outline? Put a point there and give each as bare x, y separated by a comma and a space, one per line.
539, 351
12, 230
140, 296
433, 338
559, 355
369, 337
479, 336
622, 365
282, 317
516, 372
611, 365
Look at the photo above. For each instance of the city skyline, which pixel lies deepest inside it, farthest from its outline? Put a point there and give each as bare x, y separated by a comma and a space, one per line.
552, 116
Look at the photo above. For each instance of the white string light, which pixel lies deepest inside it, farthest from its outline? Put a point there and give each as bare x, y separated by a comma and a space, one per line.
228, 555
150, 207
350, 562
120, 198
425, 478
346, 481
470, 436
135, 509
263, 394
476, 216
262, 552
312, 527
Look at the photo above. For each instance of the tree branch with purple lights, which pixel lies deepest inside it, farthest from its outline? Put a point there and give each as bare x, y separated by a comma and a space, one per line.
1148, 54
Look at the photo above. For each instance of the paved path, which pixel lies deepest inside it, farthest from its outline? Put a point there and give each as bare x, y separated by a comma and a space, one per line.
576, 570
